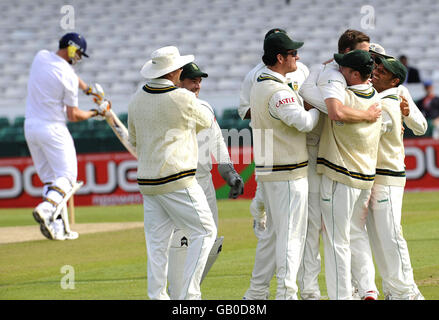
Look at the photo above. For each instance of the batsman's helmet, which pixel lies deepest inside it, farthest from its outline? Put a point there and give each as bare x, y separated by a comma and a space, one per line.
74, 41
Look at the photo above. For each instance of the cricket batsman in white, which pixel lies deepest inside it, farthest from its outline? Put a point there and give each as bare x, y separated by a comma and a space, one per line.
52, 100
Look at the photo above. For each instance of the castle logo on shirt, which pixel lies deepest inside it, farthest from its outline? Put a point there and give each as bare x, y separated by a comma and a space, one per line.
284, 101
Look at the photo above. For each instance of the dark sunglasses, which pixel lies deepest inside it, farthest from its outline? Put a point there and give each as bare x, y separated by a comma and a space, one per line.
292, 53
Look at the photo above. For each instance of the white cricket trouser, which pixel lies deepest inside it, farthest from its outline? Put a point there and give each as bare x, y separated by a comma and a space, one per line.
186, 209
308, 275
388, 244
206, 184
177, 253
52, 150
340, 205
363, 268
265, 266
286, 208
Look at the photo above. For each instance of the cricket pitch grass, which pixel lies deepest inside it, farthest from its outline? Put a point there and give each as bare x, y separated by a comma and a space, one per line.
108, 260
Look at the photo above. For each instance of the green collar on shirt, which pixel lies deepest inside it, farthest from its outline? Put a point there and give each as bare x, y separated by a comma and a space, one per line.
153, 90
392, 96
366, 94
391, 93
264, 77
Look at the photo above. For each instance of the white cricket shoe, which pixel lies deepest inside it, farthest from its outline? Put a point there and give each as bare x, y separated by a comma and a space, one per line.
72, 235
58, 226
59, 231
416, 296
43, 214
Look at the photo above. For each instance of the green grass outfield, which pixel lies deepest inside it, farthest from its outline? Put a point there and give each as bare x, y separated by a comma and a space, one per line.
112, 265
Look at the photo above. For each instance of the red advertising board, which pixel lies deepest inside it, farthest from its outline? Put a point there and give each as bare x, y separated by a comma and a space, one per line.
110, 178
422, 164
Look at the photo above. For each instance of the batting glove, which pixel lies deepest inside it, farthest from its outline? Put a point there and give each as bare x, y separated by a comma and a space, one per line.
232, 178
90, 90
96, 91
102, 109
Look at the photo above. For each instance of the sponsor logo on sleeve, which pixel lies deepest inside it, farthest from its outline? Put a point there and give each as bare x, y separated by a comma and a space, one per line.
285, 101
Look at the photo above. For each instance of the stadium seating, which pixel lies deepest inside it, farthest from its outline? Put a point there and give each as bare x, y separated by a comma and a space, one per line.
225, 36
4, 122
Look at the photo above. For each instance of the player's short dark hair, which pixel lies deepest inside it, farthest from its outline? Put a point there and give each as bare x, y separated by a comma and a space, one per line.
350, 38
402, 57
364, 75
269, 59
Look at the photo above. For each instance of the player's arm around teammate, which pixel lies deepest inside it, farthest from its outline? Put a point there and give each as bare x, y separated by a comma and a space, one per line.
325, 86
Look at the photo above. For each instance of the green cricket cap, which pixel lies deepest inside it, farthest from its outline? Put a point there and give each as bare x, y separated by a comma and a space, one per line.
359, 60
275, 30
191, 71
280, 42
396, 67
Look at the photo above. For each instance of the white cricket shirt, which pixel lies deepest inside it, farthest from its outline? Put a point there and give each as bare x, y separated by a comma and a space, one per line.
323, 82
331, 82
415, 121
52, 85
210, 143
295, 78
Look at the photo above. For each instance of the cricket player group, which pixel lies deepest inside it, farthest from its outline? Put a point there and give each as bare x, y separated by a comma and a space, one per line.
329, 164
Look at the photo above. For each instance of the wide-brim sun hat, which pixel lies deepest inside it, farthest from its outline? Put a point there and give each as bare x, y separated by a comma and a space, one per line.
378, 49
164, 61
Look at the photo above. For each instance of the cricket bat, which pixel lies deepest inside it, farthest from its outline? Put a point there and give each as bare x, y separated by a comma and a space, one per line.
114, 122
120, 131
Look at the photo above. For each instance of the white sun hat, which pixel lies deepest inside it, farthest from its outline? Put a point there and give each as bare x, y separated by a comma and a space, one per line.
163, 61
378, 49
